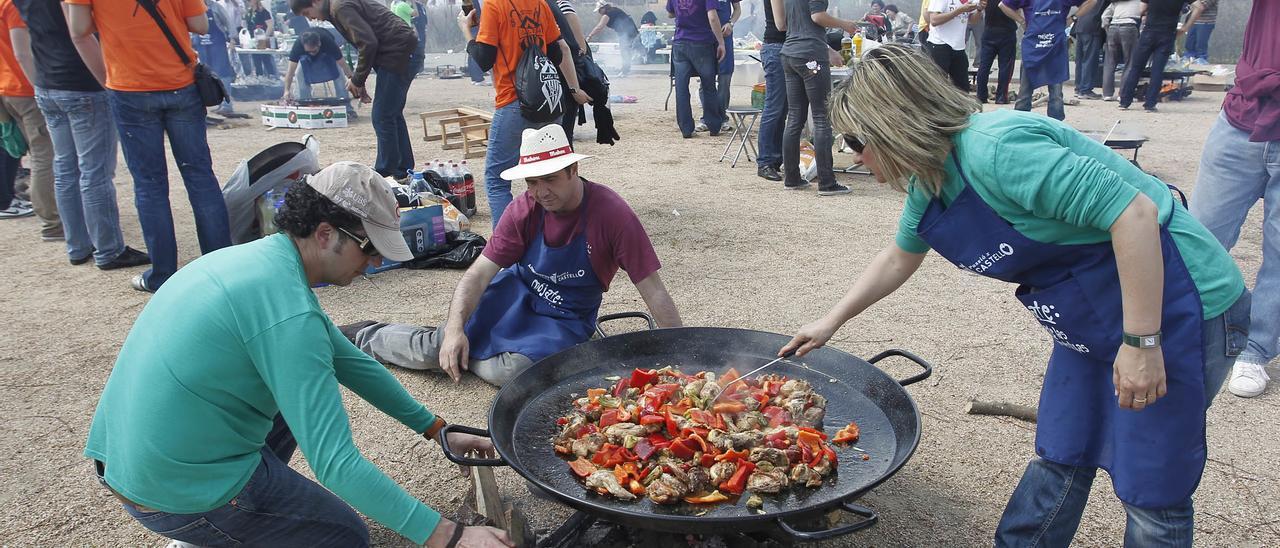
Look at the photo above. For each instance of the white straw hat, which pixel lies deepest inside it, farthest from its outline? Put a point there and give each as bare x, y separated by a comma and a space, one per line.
543, 152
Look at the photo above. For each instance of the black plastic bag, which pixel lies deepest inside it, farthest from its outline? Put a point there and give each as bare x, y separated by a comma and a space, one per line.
464, 248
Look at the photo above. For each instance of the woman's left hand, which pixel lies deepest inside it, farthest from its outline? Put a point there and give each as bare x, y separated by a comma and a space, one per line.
1138, 374
467, 444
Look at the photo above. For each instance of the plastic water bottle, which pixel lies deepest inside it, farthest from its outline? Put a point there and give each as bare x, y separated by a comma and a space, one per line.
417, 182
469, 190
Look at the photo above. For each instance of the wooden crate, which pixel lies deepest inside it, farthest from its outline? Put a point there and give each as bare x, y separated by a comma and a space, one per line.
463, 128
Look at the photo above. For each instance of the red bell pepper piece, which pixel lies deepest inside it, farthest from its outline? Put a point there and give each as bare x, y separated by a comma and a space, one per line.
645, 449
593, 394
733, 455
659, 441
672, 429
609, 418
582, 467
728, 377
738, 482
681, 449
640, 378
622, 386
831, 455
821, 435
848, 434
652, 418
708, 460
777, 415
702, 417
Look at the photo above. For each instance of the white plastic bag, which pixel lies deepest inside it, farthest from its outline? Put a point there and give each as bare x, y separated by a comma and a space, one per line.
242, 190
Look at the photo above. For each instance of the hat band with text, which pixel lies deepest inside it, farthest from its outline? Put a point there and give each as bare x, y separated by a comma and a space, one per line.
541, 156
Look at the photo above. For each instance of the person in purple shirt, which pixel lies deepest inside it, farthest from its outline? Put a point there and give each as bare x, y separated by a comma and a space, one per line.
697, 49
1044, 48
1240, 165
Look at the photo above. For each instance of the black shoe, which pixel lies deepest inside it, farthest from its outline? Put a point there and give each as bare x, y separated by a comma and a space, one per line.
1088, 95
687, 135
715, 133
769, 173
1150, 109
350, 330
834, 190
1002, 100
129, 258
801, 186
982, 100
88, 257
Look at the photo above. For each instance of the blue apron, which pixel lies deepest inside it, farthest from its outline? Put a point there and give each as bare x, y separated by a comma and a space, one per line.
545, 303
211, 49
1155, 456
318, 69
1044, 44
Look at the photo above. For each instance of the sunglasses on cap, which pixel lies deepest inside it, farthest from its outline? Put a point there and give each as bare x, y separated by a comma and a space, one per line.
366, 244
854, 143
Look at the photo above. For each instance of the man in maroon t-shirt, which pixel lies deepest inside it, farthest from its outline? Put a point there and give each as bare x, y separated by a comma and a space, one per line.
537, 287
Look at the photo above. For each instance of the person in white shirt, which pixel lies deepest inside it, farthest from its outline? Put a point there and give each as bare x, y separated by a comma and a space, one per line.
1120, 22
949, 22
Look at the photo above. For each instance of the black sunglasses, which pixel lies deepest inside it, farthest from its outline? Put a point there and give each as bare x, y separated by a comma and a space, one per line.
854, 143
366, 244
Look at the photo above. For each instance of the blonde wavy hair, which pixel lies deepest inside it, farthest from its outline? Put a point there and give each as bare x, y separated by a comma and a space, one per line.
899, 102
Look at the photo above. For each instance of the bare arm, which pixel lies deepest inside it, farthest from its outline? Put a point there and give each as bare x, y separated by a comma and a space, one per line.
936, 18
199, 24
81, 27
288, 77
21, 40
1086, 7
346, 69
1016, 15
604, 21
659, 301
570, 73
575, 25
779, 14
827, 20
885, 274
727, 29
454, 347
1196, 9
714, 19
1138, 373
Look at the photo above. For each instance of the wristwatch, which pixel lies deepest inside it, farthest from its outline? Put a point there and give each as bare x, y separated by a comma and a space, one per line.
1143, 341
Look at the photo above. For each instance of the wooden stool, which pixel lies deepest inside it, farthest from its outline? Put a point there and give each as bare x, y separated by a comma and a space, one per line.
469, 126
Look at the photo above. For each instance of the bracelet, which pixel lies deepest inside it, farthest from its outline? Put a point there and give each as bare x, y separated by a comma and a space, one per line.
457, 536
434, 429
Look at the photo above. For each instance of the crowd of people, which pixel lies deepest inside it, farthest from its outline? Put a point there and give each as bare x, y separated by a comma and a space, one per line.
242, 365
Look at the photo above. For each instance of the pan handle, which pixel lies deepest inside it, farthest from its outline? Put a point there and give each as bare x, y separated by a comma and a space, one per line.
442, 438
869, 515
621, 315
928, 367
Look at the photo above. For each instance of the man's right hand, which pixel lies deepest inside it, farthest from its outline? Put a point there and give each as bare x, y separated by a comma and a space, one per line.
454, 352
966, 8
472, 537
720, 51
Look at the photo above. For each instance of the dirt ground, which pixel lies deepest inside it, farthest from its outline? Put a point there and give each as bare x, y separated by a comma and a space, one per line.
736, 251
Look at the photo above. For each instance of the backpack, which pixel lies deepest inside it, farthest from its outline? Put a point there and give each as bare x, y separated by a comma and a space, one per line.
538, 85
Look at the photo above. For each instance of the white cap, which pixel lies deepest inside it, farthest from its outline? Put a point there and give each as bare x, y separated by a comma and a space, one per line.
365, 194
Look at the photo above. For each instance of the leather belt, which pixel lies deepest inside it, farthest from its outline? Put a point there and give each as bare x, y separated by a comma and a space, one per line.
100, 469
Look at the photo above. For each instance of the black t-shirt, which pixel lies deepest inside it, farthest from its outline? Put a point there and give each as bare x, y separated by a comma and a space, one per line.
1163, 15
328, 48
995, 18
58, 65
620, 22
771, 33
260, 19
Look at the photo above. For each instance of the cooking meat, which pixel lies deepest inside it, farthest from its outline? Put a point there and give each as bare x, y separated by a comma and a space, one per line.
587, 445
694, 388
699, 480
751, 420
575, 422
796, 406
801, 474
776, 457
794, 386
618, 433
710, 390
812, 417
722, 471
604, 479
666, 490
737, 441
770, 481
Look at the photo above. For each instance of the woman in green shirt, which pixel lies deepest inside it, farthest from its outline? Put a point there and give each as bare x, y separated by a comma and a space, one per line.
1145, 308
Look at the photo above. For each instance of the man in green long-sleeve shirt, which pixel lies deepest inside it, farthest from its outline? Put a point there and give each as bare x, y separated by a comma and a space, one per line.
233, 364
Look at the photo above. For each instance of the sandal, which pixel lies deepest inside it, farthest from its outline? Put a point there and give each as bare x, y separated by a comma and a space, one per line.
139, 283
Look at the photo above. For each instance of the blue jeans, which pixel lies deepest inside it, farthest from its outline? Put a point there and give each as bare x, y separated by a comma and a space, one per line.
339, 88
773, 119
724, 79
1046, 507
143, 118
84, 166
1197, 44
807, 90
1001, 44
502, 154
395, 151
1056, 110
1088, 64
278, 507
1153, 46
696, 59
1234, 174
474, 71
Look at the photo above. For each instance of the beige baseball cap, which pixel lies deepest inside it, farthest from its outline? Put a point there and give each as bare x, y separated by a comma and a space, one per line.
361, 191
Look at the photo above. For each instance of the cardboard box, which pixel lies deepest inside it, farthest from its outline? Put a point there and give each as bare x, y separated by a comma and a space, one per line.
292, 116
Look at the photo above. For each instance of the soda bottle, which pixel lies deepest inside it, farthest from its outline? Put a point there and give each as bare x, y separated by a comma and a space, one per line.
469, 190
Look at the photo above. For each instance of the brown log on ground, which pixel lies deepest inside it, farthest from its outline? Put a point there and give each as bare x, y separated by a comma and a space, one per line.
1017, 411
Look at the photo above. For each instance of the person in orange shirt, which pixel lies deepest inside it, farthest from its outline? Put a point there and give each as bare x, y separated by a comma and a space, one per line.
18, 103
504, 30
152, 94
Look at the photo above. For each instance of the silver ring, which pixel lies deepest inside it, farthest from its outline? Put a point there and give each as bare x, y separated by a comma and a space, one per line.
1140, 400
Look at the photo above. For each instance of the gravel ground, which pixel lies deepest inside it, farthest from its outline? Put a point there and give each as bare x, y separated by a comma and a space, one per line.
736, 251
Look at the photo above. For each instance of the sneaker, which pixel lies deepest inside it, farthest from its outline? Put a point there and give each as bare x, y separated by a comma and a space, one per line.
803, 185
1248, 379
352, 115
769, 173
20, 202
88, 257
180, 544
1088, 95
128, 258
1002, 101
16, 210
702, 126
834, 190
1109, 99
139, 283
53, 236
350, 330
726, 127
1151, 110
1124, 106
